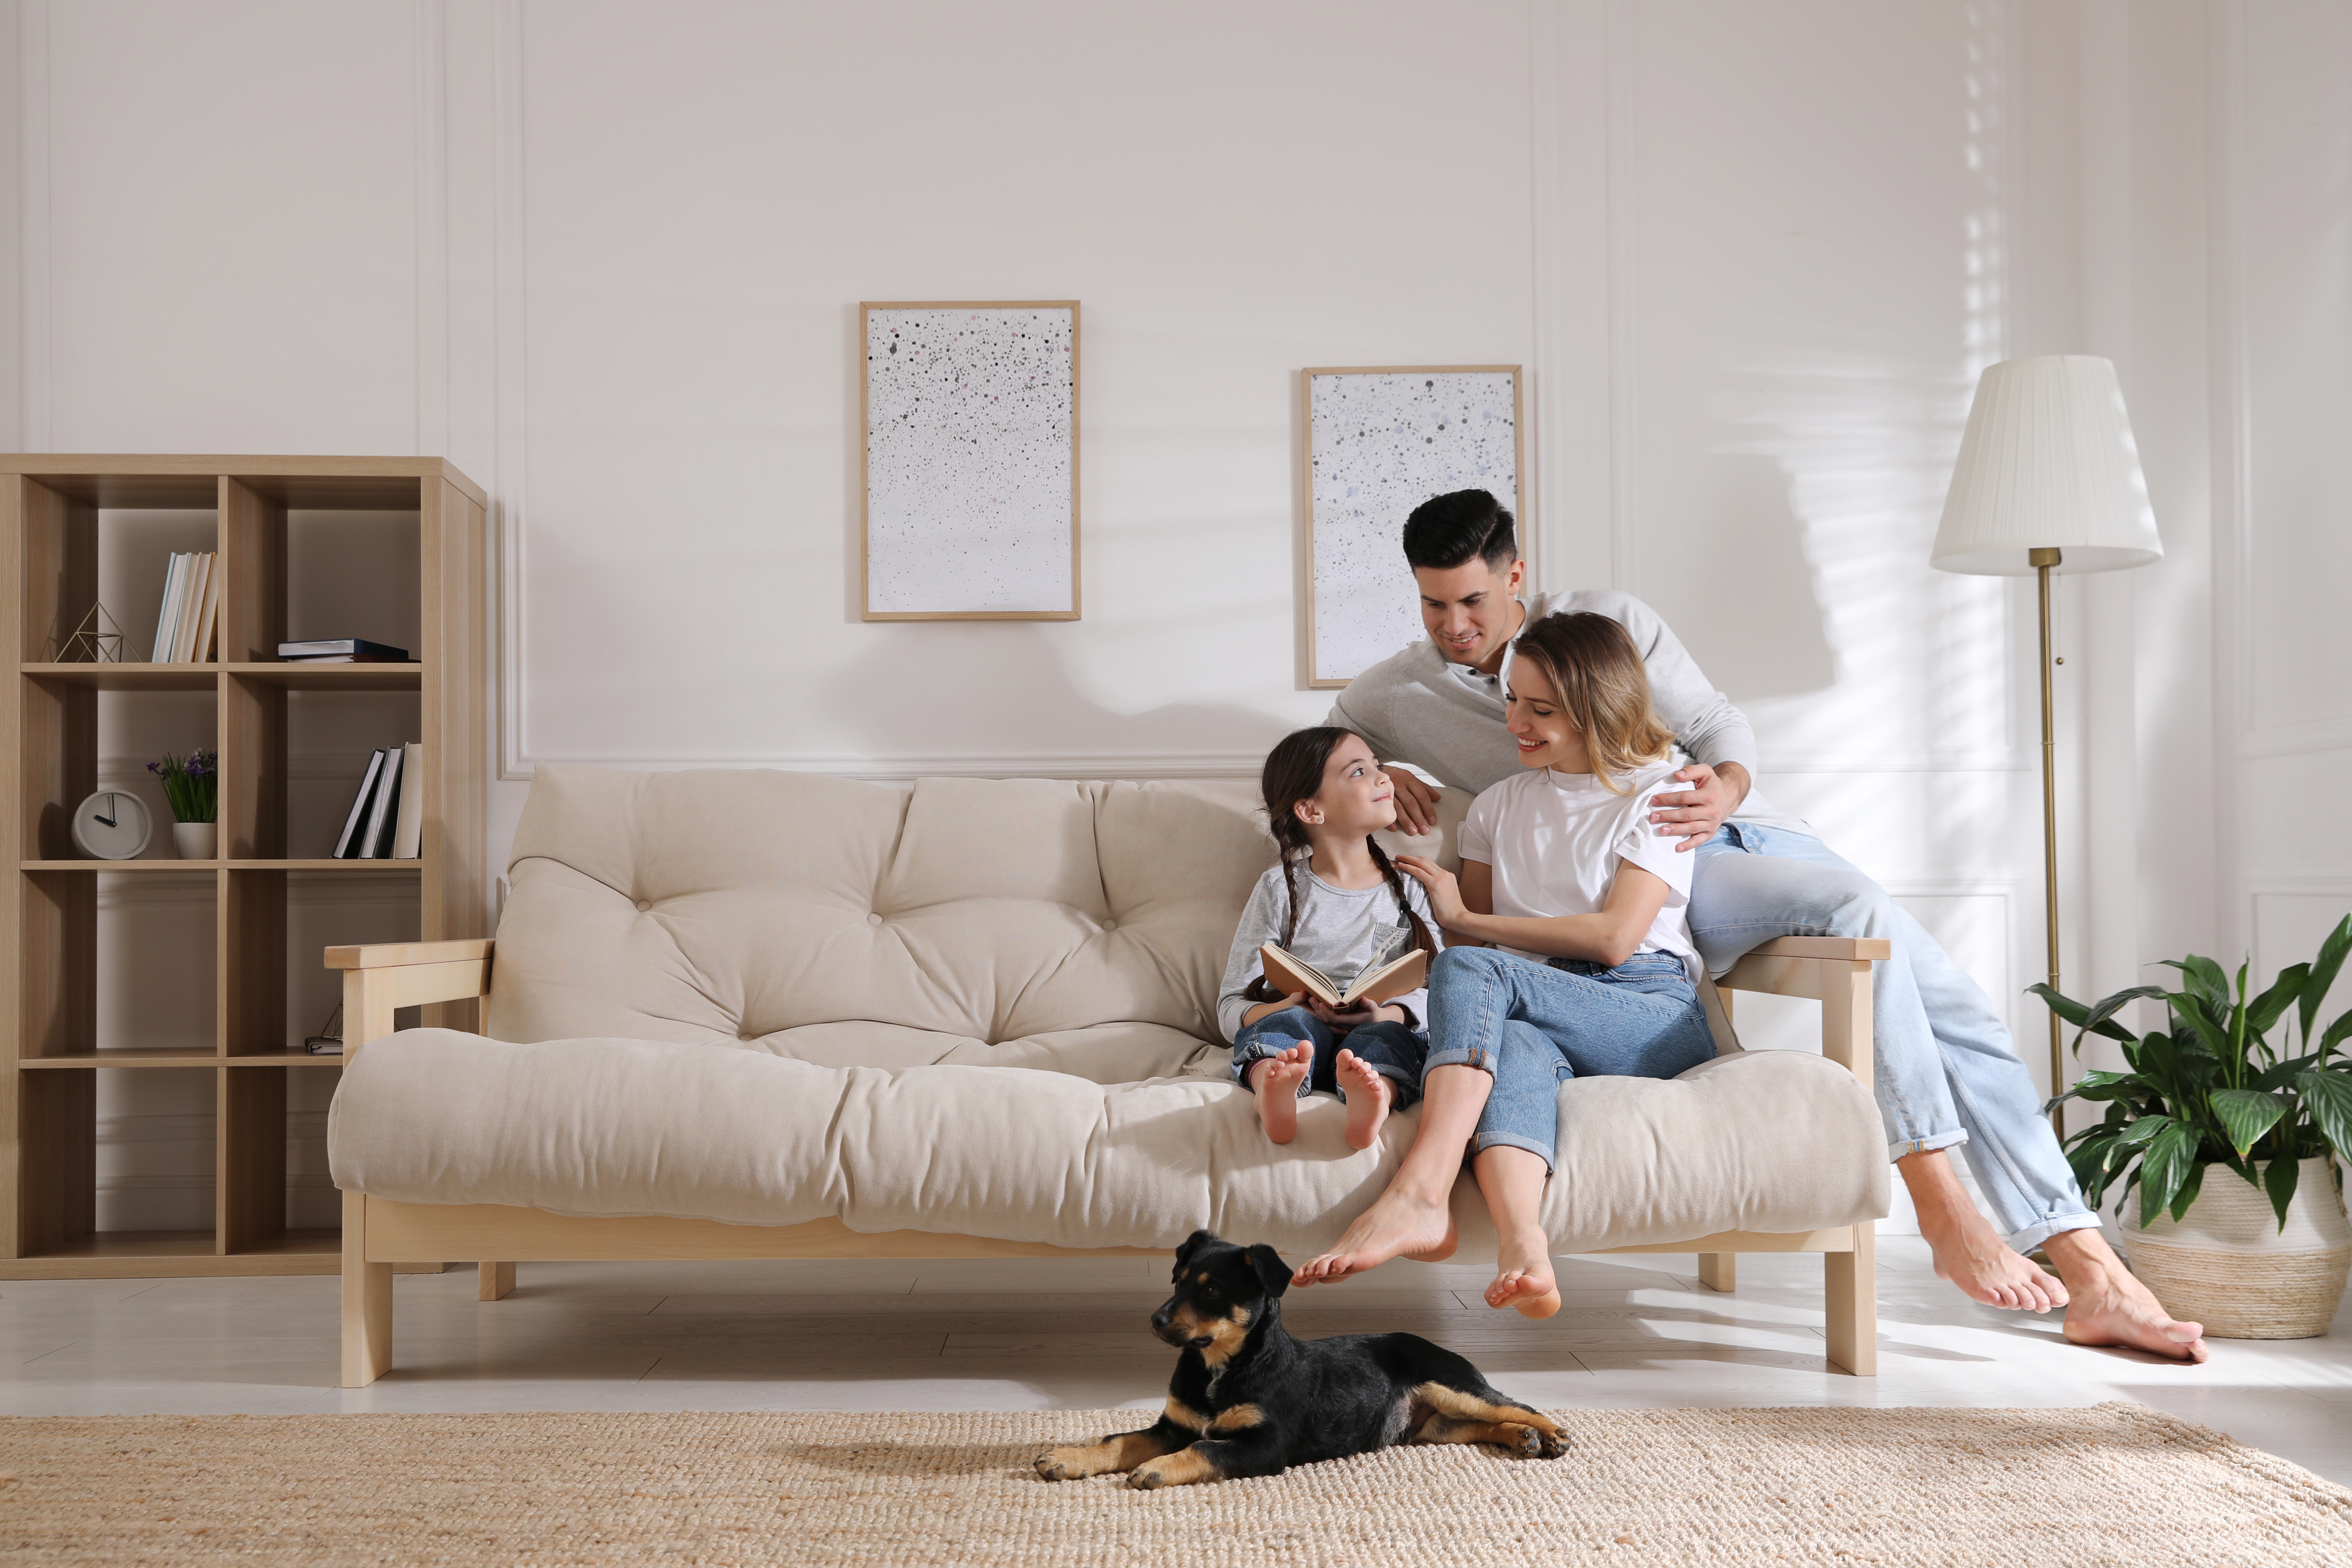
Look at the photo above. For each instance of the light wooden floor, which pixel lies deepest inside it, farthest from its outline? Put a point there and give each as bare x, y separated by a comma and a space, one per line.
988, 1335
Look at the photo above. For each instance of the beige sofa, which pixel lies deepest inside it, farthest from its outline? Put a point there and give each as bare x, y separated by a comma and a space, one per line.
737, 1013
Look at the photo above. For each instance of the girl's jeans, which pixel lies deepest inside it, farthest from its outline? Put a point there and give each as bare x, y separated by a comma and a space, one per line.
1943, 1068
1392, 1050
1535, 1026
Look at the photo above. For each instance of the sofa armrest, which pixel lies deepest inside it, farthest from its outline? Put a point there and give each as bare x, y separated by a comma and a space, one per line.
383, 976
1832, 970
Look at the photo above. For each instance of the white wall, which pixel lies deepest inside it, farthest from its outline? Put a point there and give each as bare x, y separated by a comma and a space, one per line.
607, 257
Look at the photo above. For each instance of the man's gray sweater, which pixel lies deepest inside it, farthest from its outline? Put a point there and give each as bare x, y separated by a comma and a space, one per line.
1447, 720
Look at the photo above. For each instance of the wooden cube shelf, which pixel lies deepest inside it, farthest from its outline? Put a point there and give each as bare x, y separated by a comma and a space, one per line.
49, 972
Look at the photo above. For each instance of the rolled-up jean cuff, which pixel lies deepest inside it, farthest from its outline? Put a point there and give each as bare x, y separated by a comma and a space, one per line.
1486, 1140
1458, 1057
2033, 1236
1927, 1145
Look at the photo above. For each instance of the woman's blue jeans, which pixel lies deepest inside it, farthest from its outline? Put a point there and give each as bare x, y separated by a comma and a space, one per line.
1943, 1069
1535, 1026
1392, 1049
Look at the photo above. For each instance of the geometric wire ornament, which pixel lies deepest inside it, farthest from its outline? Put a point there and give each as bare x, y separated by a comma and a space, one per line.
90, 642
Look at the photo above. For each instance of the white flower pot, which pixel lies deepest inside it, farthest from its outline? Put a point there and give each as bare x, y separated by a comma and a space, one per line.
197, 840
2226, 1264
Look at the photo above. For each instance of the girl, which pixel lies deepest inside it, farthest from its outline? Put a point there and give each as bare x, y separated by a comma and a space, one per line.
1591, 969
1345, 911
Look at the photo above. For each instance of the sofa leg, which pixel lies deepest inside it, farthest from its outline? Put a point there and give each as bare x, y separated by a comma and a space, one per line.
1850, 1303
497, 1281
367, 1301
1720, 1271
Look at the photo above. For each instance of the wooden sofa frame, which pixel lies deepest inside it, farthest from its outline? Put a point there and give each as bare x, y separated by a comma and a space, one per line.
379, 1233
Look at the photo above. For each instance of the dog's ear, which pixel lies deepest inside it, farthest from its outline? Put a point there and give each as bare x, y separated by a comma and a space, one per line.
1272, 1272
1192, 1244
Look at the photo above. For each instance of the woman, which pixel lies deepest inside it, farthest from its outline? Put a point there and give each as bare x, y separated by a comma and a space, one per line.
1588, 968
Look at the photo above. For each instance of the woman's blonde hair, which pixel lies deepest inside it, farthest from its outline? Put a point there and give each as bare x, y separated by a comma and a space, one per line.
1597, 673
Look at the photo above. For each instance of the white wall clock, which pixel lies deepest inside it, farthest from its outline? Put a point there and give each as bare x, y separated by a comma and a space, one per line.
112, 825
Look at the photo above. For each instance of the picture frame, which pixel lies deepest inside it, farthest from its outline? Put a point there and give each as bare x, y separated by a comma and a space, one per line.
1360, 481
968, 460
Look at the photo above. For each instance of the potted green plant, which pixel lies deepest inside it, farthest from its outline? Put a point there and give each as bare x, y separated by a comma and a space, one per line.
2265, 1255
192, 783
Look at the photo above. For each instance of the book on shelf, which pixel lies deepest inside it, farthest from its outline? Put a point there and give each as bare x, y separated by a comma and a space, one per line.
167, 618
376, 836
341, 650
408, 837
347, 843
1286, 972
188, 625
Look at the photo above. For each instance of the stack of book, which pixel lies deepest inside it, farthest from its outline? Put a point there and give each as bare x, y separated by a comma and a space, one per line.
341, 650
386, 821
185, 628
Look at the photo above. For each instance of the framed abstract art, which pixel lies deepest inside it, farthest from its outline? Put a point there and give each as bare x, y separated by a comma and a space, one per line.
970, 461
1381, 441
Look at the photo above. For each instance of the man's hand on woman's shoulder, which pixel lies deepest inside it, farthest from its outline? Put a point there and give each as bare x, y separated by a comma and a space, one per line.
1694, 815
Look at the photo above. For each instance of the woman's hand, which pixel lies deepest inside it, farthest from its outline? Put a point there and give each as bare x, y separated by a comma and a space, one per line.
1445, 891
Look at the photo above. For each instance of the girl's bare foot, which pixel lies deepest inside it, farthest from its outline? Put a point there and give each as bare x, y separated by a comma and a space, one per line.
1276, 1080
1968, 1251
2111, 1306
1368, 1097
1398, 1225
1523, 1276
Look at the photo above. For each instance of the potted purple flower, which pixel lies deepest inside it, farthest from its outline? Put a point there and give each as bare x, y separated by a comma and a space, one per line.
192, 783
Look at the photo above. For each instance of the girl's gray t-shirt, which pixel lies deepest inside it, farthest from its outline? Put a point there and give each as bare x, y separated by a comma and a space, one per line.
1341, 931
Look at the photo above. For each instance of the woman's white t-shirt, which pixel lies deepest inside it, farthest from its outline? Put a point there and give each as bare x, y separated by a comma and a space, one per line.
1554, 841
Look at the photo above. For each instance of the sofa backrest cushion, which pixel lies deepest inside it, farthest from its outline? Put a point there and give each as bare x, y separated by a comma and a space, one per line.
725, 902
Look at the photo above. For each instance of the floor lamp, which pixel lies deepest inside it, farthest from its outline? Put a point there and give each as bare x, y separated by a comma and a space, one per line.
2047, 481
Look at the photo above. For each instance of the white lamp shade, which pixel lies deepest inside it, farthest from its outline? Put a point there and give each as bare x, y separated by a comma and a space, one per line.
2047, 461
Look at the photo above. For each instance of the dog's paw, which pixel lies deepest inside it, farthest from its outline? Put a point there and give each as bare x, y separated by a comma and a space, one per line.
1056, 1465
1533, 1442
1146, 1480
1549, 1444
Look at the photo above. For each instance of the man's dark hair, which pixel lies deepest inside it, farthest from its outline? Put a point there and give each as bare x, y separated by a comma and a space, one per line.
1446, 530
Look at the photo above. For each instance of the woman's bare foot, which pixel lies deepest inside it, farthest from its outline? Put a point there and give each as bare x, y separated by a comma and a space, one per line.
1398, 1225
1523, 1276
1968, 1251
2111, 1306
1368, 1097
1275, 1082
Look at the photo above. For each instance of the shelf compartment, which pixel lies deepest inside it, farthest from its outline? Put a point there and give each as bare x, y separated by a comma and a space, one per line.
300, 676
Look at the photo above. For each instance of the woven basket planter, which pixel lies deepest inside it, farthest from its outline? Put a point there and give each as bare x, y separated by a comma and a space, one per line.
2228, 1265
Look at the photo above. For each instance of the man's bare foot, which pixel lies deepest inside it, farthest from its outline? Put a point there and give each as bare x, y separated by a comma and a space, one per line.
1968, 1251
1275, 1082
1398, 1225
2111, 1306
1368, 1097
1523, 1276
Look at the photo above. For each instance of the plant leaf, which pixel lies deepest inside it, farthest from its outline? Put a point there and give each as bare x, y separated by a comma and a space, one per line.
2246, 1114
2322, 975
2097, 1019
2204, 977
2279, 1182
2100, 1085
2327, 1095
2191, 1010
2271, 1004
2186, 1196
2336, 1033
2140, 1132
2171, 1155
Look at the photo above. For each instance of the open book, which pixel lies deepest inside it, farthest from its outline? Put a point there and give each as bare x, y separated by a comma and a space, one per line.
1286, 971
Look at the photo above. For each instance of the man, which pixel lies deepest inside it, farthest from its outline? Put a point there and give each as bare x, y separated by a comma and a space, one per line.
1944, 1073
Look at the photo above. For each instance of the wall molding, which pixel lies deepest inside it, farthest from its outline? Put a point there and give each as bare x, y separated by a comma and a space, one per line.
1978, 760
511, 468
35, 408
1620, 47
432, 110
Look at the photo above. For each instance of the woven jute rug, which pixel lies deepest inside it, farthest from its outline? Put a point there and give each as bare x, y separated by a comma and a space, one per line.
2114, 1484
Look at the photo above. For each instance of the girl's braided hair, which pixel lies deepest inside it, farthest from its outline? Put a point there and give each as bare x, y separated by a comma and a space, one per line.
1294, 773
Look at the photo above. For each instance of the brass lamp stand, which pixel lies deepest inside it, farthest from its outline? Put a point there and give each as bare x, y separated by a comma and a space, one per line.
2042, 560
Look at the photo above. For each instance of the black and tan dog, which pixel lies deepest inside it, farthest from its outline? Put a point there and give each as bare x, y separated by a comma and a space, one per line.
1249, 1400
